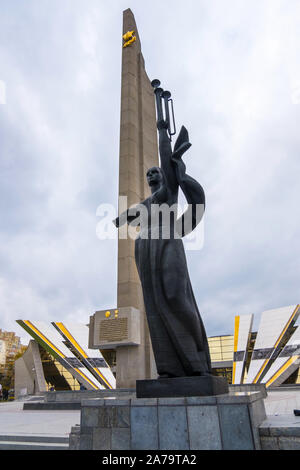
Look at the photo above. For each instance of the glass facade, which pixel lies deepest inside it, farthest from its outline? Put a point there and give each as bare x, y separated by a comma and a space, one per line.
110, 355
55, 374
221, 348
221, 351
223, 372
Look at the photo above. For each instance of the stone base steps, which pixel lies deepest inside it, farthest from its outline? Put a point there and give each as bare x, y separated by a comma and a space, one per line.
33, 442
51, 406
280, 438
34, 398
227, 422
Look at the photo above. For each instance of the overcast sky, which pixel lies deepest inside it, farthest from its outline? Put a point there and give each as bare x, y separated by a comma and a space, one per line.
234, 72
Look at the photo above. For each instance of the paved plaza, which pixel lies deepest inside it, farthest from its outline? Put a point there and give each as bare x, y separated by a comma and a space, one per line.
14, 420
282, 402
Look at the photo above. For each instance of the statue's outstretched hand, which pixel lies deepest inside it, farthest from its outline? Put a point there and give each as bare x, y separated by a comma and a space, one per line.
182, 144
162, 124
177, 154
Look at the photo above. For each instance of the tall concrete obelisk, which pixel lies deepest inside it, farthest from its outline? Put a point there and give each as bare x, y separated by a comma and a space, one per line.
138, 152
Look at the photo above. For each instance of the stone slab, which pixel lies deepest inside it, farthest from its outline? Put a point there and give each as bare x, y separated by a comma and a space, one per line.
236, 428
52, 406
144, 427
173, 418
182, 387
79, 395
204, 427
218, 422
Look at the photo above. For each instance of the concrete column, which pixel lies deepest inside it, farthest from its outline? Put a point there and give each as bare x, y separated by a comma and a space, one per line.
138, 152
29, 372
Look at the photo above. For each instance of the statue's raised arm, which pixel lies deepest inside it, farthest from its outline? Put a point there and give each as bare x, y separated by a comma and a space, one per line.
177, 332
173, 166
165, 133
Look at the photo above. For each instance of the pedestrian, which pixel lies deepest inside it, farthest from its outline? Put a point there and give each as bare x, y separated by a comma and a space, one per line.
5, 394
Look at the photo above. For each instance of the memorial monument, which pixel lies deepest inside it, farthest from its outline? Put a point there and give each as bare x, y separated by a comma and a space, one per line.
152, 268
185, 407
177, 332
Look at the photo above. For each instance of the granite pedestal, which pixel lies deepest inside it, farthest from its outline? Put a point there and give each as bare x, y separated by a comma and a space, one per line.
221, 422
196, 386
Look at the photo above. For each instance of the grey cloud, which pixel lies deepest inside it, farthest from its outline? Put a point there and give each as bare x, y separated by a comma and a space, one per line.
232, 68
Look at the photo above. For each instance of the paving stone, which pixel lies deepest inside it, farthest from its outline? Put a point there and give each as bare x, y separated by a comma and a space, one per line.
117, 402
269, 443
144, 401
289, 443
114, 416
212, 400
285, 431
235, 426
257, 412
173, 431
144, 428
120, 438
74, 441
171, 401
86, 442
89, 416
204, 428
101, 439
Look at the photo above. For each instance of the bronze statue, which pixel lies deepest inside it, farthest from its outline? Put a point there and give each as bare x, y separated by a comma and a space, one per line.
177, 333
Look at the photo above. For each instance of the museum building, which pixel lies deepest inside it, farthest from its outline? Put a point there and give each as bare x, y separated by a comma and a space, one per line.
70, 356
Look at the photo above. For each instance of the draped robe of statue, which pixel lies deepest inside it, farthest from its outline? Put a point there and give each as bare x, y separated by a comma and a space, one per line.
177, 333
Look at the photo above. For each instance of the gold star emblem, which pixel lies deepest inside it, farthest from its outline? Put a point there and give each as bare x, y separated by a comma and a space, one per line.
128, 38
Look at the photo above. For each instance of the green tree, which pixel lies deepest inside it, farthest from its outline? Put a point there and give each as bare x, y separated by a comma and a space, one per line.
8, 378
